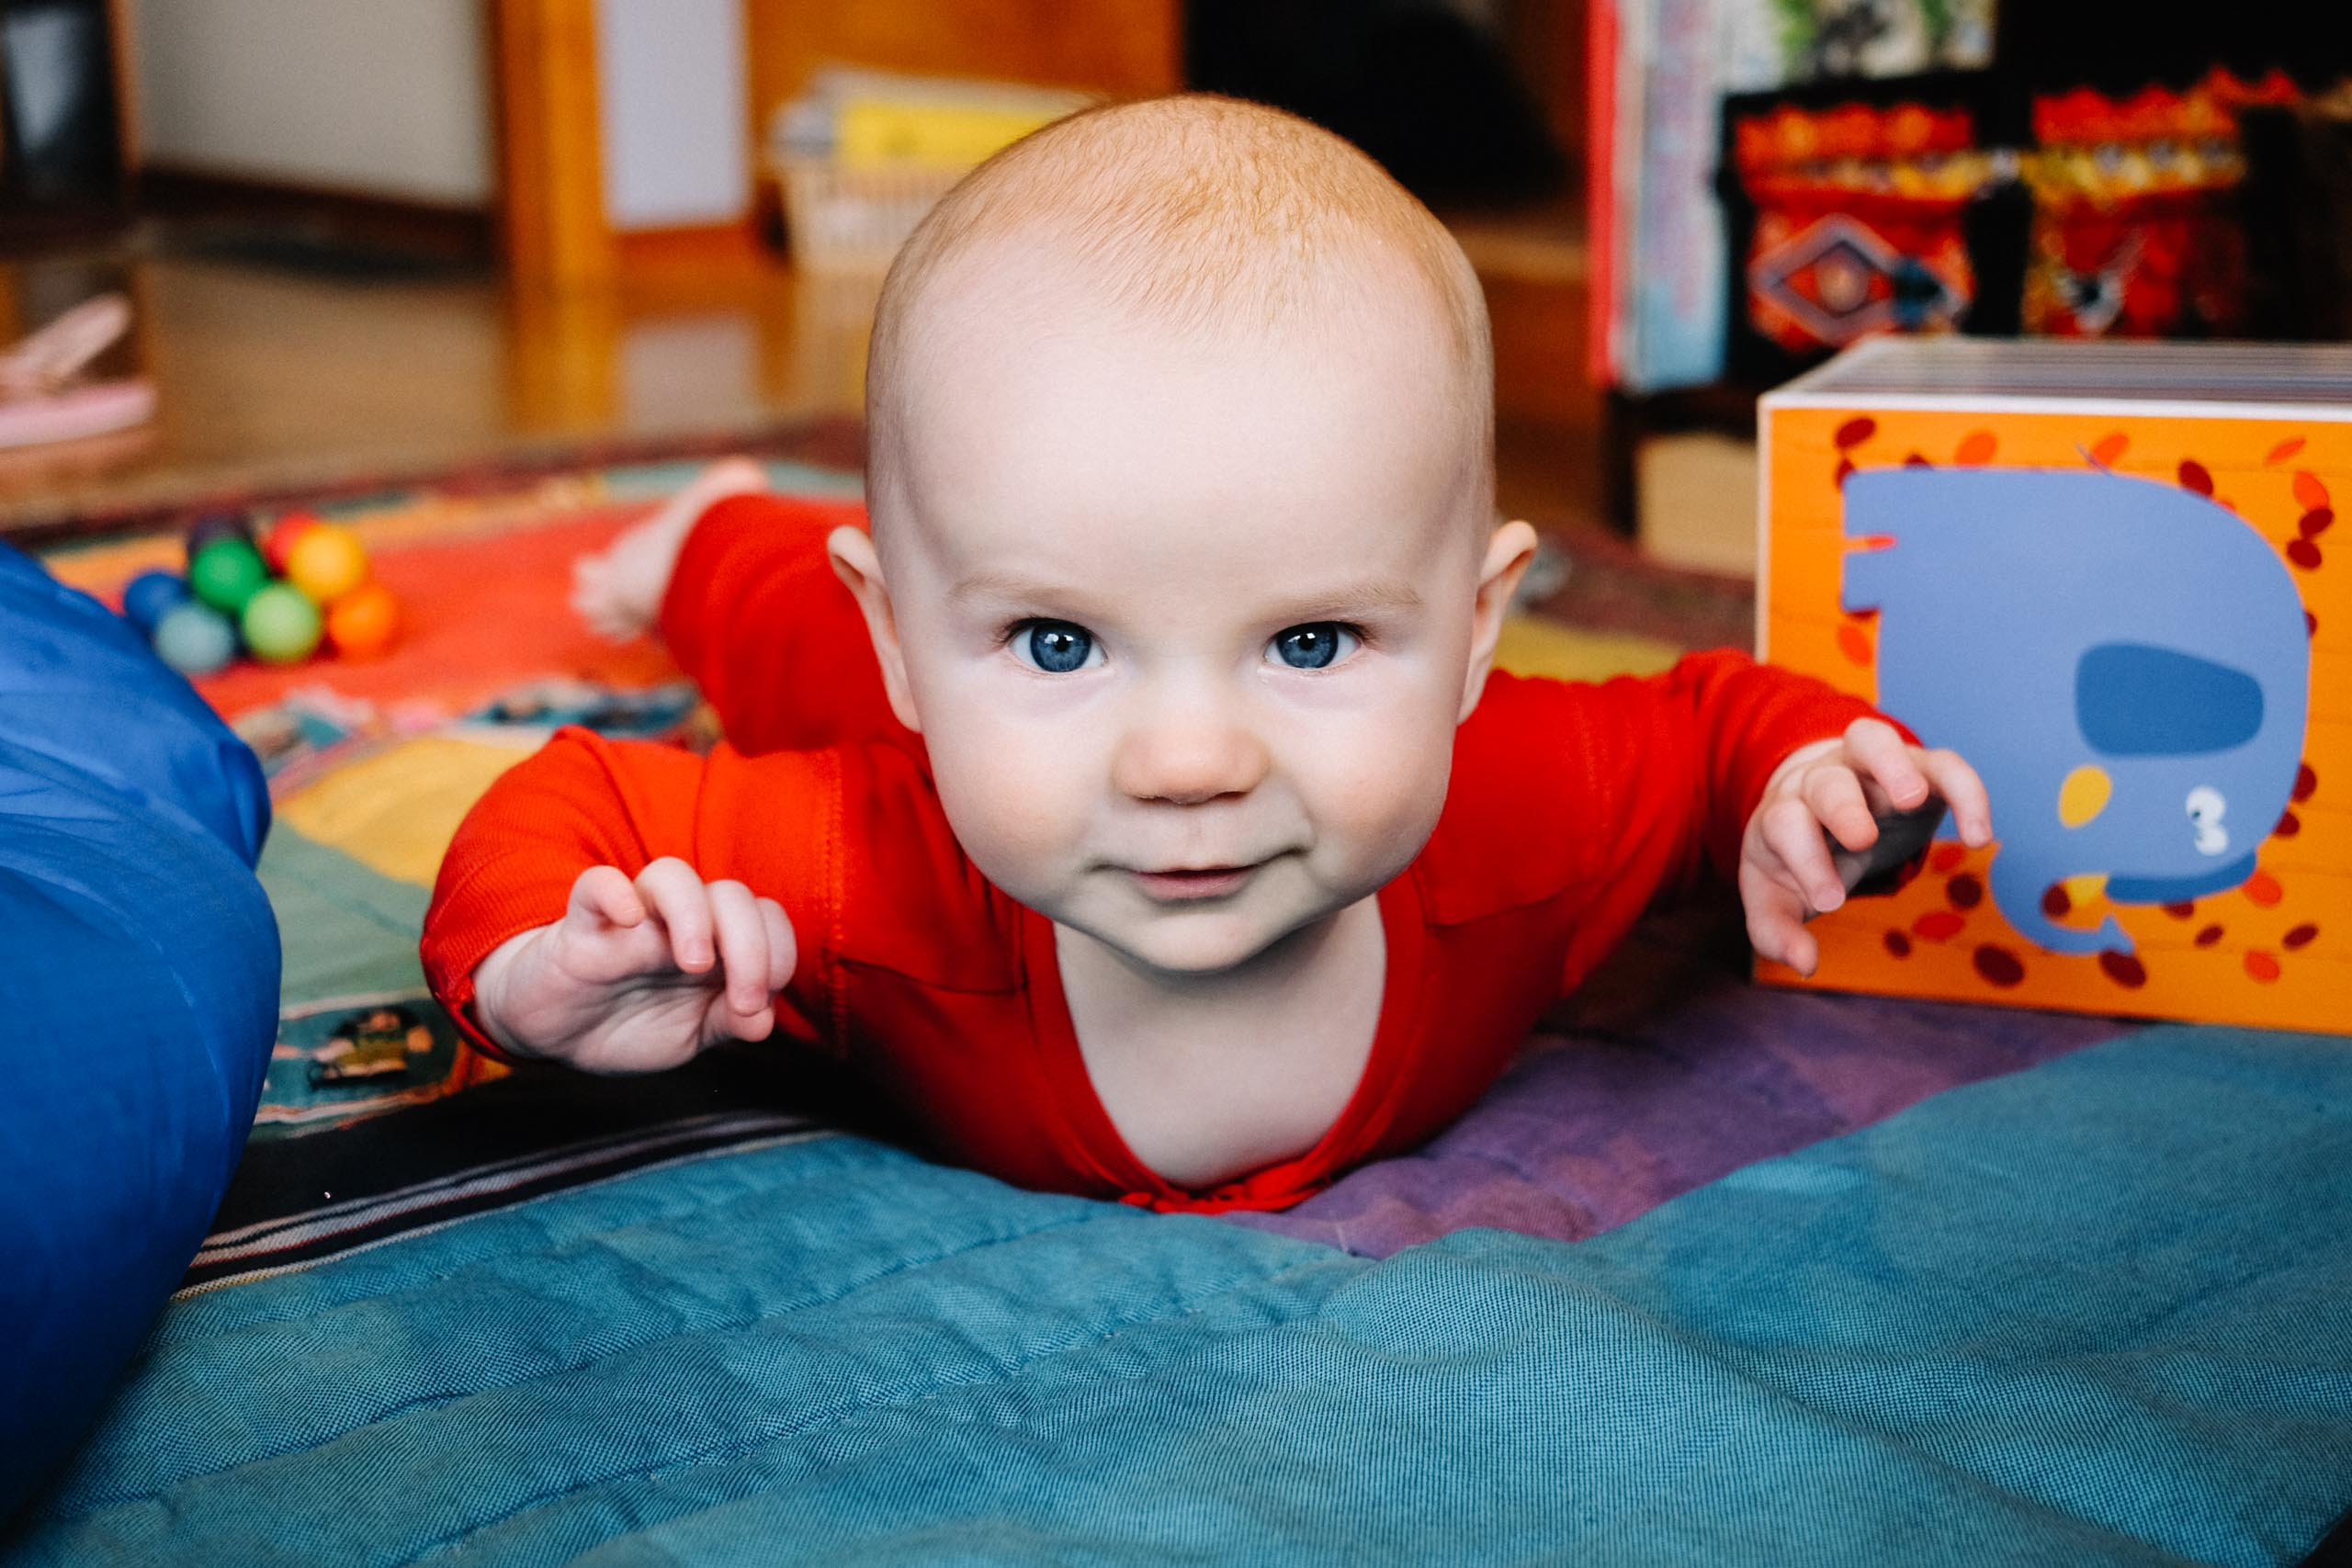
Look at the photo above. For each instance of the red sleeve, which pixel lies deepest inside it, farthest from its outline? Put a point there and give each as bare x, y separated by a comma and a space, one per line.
773, 823
1705, 739
1600, 798
755, 615
1645, 780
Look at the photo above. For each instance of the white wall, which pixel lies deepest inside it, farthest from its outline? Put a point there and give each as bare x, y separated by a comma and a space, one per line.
384, 97
671, 81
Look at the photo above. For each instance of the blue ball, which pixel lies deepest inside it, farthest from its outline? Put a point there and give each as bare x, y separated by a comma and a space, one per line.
150, 594
195, 640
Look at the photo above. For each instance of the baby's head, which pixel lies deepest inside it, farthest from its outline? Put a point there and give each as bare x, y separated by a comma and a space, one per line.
1183, 553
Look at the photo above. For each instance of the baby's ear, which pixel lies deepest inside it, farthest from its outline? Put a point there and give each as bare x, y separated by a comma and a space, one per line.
850, 549
1507, 553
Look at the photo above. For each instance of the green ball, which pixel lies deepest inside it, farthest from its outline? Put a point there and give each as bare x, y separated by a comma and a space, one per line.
195, 640
226, 573
280, 624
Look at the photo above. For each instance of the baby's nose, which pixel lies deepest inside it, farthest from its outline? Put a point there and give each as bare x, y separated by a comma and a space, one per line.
1188, 756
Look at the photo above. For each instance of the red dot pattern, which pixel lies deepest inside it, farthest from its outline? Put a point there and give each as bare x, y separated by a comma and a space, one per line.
1898, 944
2300, 936
1998, 965
2193, 476
2123, 969
2315, 522
2109, 448
2261, 966
1976, 446
2306, 782
2285, 449
2304, 554
1938, 925
1854, 431
2054, 902
1965, 891
2208, 936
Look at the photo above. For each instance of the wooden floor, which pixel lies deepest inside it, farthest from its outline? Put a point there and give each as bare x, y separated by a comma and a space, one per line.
271, 379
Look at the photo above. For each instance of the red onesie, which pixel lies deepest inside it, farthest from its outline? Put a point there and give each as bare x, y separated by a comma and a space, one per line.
1571, 808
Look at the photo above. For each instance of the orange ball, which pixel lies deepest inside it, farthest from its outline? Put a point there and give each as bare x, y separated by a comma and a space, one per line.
363, 623
276, 543
326, 562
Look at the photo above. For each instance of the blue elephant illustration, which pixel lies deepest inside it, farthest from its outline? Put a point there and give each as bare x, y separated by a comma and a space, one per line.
2124, 662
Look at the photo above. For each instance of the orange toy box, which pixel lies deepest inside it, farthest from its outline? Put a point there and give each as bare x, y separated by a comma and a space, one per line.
2107, 575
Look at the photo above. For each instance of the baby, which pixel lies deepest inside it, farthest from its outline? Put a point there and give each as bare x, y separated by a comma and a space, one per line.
1133, 803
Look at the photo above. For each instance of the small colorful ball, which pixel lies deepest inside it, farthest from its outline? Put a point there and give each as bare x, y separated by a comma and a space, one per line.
226, 573
326, 563
363, 623
216, 525
195, 640
280, 624
146, 597
278, 542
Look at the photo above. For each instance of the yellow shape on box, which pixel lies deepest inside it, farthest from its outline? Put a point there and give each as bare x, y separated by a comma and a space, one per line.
2087, 888
2084, 794
395, 812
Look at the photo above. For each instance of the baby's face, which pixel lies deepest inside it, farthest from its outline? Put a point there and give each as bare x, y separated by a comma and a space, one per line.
1187, 626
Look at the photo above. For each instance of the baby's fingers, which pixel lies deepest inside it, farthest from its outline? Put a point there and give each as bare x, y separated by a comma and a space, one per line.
1836, 796
743, 951
783, 948
1776, 916
1972, 810
603, 895
1880, 750
674, 891
1792, 832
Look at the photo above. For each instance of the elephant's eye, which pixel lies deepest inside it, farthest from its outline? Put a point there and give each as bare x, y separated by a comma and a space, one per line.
2206, 805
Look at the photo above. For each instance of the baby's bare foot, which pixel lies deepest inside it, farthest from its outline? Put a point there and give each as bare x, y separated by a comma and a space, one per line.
618, 592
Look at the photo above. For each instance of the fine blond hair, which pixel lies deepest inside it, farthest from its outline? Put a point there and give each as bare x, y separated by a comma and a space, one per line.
1193, 211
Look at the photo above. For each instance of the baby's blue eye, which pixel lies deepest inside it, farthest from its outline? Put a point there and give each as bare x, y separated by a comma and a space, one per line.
1314, 646
1055, 647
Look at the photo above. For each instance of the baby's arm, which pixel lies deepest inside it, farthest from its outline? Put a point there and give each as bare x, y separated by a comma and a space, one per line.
597, 906
639, 975
1689, 768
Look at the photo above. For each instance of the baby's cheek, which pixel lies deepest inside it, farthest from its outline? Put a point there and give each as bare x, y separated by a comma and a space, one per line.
1381, 793
1015, 806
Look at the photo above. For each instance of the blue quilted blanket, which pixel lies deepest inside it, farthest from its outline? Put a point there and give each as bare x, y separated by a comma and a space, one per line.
2096, 1311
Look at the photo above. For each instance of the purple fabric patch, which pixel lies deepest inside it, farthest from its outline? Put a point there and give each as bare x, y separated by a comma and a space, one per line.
1667, 1071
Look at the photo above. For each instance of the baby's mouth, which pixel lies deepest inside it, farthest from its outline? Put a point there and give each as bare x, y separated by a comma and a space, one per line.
1177, 885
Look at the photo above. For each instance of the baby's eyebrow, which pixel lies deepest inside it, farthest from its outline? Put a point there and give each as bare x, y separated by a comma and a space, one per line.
1364, 599
1351, 599
1003, 586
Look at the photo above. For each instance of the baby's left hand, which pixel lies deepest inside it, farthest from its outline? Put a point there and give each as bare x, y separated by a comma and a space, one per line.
1786, 871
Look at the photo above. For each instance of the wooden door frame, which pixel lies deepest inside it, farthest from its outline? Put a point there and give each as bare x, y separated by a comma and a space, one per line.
553, 226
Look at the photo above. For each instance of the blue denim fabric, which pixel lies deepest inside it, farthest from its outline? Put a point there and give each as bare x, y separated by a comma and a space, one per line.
139, 970
2093, 1312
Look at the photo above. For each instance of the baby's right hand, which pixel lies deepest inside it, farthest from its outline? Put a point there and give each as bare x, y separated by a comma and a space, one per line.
638, 976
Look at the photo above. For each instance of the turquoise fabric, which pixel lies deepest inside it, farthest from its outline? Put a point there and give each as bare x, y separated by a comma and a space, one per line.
2096, 1313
